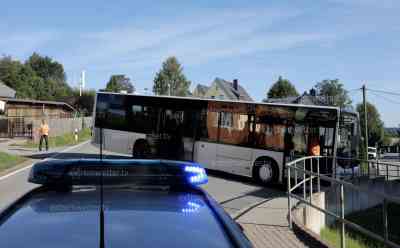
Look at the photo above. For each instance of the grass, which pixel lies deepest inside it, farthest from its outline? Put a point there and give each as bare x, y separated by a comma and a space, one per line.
63, 140
8, 160
372, 220
332, 236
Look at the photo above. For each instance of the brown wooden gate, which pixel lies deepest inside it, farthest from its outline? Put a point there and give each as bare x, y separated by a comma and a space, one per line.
15, 127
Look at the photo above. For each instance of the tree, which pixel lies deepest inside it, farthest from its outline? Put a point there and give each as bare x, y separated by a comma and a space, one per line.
20, 77
52, 72
170, 80
85, 102
374, 123
46, 68
118, 83
281, 89
333, 92
38, 78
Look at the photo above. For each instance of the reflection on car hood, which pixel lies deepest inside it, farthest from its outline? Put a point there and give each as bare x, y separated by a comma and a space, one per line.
132, 217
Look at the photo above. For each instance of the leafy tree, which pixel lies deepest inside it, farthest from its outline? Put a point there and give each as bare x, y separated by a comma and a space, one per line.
19, 77
333, 92
52, 72
281, 89
374, 123
118, 83
171, 80
38, 78
46, 68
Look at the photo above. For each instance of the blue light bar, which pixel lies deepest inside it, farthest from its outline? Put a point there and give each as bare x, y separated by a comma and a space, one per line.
196, 174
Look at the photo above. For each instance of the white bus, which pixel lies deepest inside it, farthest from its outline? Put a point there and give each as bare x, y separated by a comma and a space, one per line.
243, 138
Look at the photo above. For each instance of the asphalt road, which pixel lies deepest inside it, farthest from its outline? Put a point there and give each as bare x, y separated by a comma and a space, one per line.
233, 192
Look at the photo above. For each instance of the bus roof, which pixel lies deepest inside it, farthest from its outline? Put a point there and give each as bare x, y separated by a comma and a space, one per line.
228, 101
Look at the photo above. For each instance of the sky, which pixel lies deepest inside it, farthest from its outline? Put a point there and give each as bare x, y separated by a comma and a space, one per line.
355, 41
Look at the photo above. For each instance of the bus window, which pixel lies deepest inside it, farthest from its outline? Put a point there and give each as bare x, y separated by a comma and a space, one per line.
270, 127
210, 121
226, 119
270, 136
237, 132
143, 119
300, 140
111, 111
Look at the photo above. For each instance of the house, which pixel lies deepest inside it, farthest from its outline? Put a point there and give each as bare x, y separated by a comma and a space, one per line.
222, 89
6, 91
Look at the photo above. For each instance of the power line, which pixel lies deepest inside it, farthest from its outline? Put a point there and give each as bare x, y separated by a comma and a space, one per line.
357, 89
385, 98
385, 92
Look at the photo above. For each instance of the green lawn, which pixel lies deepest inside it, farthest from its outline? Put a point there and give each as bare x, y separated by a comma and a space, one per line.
64, 140
7, 160
332, 236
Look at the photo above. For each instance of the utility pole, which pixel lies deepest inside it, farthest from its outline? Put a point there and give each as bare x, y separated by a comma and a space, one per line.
364, 89
82, 83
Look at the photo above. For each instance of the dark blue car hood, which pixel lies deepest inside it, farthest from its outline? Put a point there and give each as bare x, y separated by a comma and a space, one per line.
133, 218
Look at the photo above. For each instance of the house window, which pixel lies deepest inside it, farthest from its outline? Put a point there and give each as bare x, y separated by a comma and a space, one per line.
221, 97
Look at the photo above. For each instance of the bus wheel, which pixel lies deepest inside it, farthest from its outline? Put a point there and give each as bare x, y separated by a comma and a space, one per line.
141, 149
265, 170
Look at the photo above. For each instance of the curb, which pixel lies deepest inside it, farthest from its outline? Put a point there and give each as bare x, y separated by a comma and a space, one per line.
301, 231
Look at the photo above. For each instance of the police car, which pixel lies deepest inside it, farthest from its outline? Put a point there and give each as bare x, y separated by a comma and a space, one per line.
118, 203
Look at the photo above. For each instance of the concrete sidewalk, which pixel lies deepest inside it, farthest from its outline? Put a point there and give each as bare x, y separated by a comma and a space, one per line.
267, 226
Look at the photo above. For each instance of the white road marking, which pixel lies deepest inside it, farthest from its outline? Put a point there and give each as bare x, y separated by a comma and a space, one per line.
54, 156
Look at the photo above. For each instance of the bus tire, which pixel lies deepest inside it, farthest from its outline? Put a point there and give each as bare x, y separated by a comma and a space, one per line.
265, 170
141, 149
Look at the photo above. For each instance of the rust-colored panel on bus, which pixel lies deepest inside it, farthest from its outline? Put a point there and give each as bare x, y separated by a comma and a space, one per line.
283, 113
233, 107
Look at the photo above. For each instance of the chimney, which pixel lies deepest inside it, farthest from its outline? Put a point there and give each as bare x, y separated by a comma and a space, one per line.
235, 84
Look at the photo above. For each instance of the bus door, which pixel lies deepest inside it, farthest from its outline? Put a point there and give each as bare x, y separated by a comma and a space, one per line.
176, 137
170, 137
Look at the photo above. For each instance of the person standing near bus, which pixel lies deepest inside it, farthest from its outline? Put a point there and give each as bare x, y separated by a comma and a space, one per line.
44, 135
314, 148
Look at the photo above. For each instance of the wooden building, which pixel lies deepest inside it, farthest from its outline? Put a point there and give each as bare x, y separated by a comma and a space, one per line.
17, 115
36, 109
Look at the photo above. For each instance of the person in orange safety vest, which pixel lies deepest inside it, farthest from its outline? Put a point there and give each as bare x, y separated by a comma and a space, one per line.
44, 135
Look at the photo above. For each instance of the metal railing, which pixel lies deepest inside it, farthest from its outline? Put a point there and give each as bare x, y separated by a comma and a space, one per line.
307, 173
366, 168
